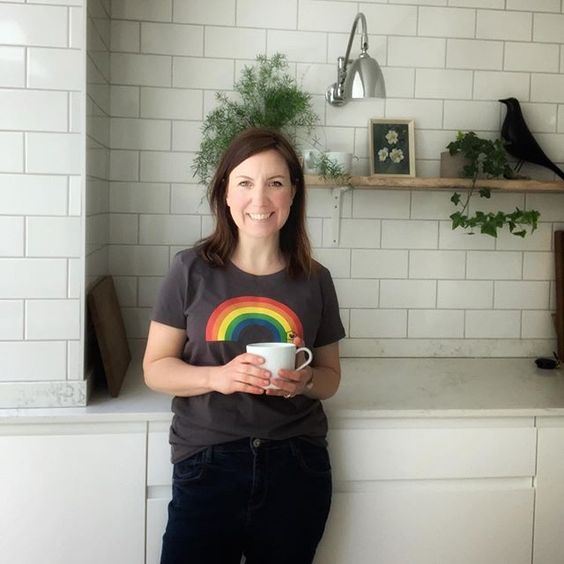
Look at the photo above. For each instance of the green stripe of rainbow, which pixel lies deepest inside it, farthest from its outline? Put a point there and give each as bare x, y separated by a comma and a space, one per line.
233, 315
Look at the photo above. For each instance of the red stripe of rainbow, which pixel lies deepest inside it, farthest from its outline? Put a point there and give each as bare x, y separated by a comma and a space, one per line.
231, 315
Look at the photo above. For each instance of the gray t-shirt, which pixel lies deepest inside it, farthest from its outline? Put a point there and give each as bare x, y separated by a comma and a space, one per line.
222, 309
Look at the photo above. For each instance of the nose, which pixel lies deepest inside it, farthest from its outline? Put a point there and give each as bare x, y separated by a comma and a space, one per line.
260, 193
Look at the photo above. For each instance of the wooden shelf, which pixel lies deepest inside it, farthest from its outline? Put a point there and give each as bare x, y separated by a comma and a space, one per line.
406, 183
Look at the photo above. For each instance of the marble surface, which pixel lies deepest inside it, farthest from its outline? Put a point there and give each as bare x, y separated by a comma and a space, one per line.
370, 387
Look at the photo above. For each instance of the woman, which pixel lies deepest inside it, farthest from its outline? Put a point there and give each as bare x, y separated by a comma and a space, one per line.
251, 471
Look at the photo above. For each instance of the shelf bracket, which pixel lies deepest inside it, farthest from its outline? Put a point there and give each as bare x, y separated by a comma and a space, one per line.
336, 194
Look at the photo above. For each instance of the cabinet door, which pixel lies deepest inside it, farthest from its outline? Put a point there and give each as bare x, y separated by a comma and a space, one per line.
549, 503
73, 493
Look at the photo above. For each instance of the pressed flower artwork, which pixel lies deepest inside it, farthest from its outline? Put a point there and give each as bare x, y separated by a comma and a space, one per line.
391, 147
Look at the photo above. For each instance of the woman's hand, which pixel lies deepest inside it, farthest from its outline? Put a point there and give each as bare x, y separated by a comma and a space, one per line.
242, 374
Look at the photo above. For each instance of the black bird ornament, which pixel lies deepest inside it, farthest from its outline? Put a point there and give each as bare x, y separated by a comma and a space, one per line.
519, 141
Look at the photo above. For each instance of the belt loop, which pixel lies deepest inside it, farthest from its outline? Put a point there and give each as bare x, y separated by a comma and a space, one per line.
208, 457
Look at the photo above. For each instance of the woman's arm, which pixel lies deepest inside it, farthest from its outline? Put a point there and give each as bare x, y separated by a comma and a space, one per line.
166, 372
319, 380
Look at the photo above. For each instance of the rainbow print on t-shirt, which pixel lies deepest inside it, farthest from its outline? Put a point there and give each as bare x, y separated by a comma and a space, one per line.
233, 318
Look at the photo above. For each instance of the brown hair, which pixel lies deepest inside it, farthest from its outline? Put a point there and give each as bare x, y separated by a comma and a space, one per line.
294, 241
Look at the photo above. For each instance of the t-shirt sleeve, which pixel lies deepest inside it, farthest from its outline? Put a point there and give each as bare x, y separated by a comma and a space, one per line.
331, 328
172, 298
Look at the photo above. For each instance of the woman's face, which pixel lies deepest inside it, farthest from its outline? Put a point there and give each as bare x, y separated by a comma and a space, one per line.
259, 195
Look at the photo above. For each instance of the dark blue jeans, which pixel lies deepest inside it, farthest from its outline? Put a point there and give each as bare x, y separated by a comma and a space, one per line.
268, 500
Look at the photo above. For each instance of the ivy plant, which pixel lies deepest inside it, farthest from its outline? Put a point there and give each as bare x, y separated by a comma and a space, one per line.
265, 96
486, 158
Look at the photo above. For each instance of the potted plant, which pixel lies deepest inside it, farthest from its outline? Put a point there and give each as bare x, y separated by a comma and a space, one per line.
486, 159
267, 97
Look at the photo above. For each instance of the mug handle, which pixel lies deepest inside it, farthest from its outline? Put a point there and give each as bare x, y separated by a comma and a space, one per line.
308, 353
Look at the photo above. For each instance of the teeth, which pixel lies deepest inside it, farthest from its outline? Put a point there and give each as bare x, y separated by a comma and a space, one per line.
259, 216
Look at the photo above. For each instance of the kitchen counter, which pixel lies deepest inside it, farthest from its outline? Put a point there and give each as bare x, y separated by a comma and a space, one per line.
370, 388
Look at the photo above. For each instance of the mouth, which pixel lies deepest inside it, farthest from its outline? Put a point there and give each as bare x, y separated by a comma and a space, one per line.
260, 216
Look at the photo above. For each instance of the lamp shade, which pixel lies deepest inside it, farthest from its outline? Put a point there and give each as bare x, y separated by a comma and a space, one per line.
364, 79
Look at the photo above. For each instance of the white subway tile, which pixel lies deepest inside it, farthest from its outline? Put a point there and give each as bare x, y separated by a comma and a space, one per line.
169, 229
493, 324
257, 13
171, 103
553, 146
173, 39
532, 57
550, 206
33, 361
357, 293
493, 24
379, 264
538, 266
439, 83
166, 167
494, 265
418, 2
33, 25
138, 260
124, 165
139, 197
216, 74
435, 324
75, 360
416, 52
541, 118
11, 152
142, 10
33, 194
470, 115
11, 236
378, 323
338, 261
55, 69
381, 203
408, 293
216, 12
355, 114
126, 289
136, 321
189, 198
125, 101
521, 295
356, 233
54, 236
337, 16
76, 28
430, 144
430, 204
540, 240
473, 54
547, 88
125, 36
186, 135
11, 320
548, 28
464, 294
446, 22
428, 114
234, 42
76, 111
461, 239
539, 5
400, 83
12, 66
537, 325
33, 278
409, 234
52, 319
142, 70
316, 77
498, 200
491, 85
390, 20
427, 168
75, 278
149, 287
55, 153
124, 228
437, 264
338, 139
75, 195
148, 134
33, 110
306, 47
314, 229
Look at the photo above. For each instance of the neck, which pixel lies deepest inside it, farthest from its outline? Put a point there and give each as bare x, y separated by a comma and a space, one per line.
258, 258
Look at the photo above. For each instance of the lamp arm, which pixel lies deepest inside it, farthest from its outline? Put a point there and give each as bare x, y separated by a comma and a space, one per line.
364, 39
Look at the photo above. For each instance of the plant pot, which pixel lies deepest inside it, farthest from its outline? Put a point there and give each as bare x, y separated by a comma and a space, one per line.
311, 161
344, 160
452, 165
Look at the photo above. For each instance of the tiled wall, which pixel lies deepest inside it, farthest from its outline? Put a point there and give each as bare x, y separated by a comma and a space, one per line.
41, 229
408, 285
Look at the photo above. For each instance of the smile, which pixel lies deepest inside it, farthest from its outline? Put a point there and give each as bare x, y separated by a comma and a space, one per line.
259, 216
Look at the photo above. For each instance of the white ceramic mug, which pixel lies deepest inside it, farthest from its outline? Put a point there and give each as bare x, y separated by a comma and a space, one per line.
279, 355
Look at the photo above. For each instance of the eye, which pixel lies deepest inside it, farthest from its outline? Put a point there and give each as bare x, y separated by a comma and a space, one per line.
244, 183
276, 184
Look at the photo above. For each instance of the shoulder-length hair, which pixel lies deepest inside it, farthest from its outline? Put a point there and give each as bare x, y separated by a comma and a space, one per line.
295, 246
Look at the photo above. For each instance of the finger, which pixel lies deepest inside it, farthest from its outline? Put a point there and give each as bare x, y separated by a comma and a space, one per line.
298, 341
249, 388
251, 358
289, 375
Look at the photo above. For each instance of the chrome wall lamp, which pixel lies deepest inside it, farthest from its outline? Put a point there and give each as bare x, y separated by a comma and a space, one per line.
361, 78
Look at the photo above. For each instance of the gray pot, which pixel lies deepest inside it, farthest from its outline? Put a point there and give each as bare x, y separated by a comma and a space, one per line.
452, 165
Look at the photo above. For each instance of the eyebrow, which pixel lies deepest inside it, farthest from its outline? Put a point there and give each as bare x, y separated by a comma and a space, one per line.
269, 178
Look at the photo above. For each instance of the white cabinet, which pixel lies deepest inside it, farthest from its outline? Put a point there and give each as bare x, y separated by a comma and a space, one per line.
72, 493
549, 506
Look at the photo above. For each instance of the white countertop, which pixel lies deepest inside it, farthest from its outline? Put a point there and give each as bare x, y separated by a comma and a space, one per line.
370, 388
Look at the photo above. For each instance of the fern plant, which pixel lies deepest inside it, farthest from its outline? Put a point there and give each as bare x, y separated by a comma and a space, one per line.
267, 97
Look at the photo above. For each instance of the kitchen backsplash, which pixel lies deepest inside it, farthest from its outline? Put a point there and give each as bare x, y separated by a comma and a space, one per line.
408, 285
